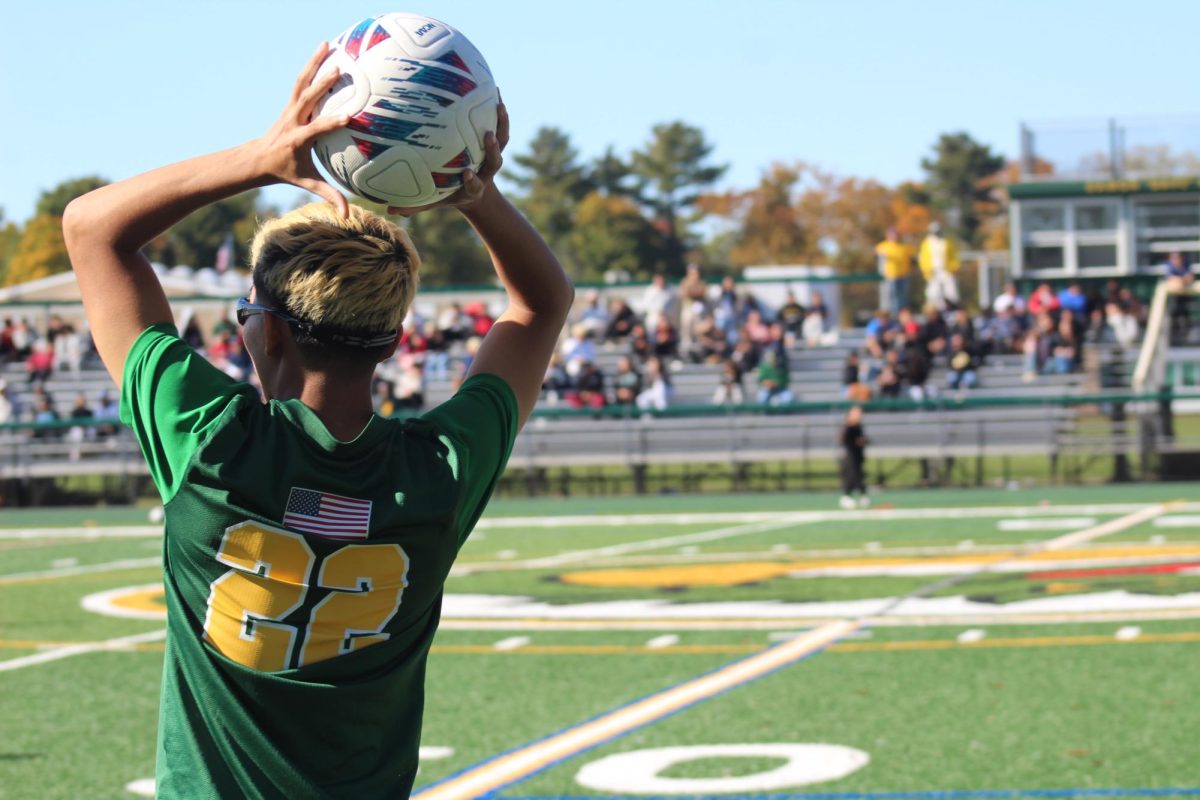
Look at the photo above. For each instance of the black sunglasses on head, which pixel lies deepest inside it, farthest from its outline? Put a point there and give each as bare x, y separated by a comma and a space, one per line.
246, 310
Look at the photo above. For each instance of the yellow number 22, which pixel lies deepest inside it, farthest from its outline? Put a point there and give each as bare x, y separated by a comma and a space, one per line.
268, 580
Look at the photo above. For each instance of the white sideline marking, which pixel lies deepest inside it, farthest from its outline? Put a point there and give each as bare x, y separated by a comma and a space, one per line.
656, 544
1105, 528
115, 532
1060, 524
107, 566
1178, 521
120, 643
1128, 633
971, 635
511, 643
143, 787
434, 752
668, 640
60, 563
599, 520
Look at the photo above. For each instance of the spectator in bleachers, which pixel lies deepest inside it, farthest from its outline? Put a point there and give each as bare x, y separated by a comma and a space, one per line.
709, 344
454, 325
639, 343
437, 358
621, 320
995, 333
107, 408
895, 265
853, 441
792, 315
935, 333
693, 303
666, 341
218, 349
850, 372
938, 259
1042, 300
745, 353
916, 361
557, 382
410, 387
1009, 300
960, 323
658, 392
890, 381
192, 334
963, 363
773, 378
906, 323
1180, 279
659, 302
8, 411
587, 390
1074, 300
578, 349
593, 315
725, 309
626, 383
1120, 325
40, 363
729, 391
384, 398
77, 434
757, 328
815, 328
22, 339
236, 363
479, 320
68, 349
881, 331
43, 412
1068, 354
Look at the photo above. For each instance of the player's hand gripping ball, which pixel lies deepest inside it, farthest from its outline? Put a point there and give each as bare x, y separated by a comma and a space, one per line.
420, 99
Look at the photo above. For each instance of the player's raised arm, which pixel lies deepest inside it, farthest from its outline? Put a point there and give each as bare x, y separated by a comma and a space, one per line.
105, 230
519, 345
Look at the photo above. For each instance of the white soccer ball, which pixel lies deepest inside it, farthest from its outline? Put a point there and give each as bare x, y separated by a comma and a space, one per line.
420, 98
156, 514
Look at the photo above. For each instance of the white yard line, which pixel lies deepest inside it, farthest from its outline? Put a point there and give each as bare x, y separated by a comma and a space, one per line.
120, 643
116, 532
65, 572
590, 554
698, 518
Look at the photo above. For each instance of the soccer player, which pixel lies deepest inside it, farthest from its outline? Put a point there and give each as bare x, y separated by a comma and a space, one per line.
307, 540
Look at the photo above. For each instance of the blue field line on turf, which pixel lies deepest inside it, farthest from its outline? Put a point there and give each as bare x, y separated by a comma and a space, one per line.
952, 794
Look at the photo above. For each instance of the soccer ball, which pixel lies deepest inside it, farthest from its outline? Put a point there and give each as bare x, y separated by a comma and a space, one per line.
420, 98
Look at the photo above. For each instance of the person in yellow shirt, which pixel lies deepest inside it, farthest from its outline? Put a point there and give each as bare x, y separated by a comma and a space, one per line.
939, 263
895, 264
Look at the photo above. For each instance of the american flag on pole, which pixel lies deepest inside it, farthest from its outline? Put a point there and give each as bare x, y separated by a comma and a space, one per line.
329, 515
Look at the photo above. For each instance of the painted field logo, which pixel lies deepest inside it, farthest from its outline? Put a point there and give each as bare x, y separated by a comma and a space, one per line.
640, 771
132, 602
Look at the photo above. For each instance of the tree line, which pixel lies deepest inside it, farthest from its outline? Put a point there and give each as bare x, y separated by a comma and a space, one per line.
654, 209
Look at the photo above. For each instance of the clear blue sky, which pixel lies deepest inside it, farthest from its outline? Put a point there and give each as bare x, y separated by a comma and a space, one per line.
858, 87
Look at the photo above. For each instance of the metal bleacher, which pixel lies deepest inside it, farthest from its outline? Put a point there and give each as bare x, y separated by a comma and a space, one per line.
692, 431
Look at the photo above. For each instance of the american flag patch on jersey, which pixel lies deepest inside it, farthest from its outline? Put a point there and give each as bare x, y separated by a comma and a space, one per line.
325, 514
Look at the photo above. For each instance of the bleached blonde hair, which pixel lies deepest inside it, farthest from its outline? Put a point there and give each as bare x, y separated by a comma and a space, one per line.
357, 275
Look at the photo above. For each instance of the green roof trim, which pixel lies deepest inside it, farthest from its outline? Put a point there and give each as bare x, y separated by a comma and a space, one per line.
1040, 189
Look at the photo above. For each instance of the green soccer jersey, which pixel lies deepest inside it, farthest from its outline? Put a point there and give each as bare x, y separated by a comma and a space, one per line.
303, 575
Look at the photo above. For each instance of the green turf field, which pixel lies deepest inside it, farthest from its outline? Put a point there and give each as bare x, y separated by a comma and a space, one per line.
949, 644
